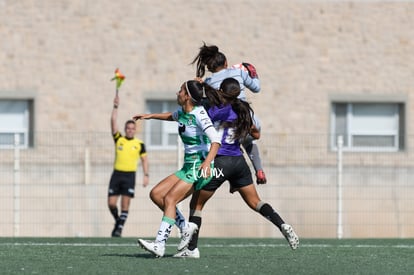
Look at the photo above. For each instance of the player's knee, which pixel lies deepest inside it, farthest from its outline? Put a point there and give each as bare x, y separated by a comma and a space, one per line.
156, 198
154, 195
170, 201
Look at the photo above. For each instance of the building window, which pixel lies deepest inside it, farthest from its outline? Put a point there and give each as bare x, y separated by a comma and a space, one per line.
16, 117
368, 126
161, 134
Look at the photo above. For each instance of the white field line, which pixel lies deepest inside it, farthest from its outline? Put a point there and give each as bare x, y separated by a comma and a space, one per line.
210, 245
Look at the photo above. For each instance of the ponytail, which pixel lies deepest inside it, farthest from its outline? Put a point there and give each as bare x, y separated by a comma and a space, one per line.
210, 57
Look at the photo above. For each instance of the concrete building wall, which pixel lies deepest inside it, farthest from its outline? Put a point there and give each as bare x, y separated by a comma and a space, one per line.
65, 52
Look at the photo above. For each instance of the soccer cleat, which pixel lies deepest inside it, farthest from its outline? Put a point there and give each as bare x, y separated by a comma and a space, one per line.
117, 231
186, 235
155, 248
260, 177
187, 253
290, 236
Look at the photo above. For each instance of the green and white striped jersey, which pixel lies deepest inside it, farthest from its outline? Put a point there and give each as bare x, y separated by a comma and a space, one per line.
191, 128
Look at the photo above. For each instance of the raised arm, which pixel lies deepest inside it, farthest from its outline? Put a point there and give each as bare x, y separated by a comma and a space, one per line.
159, 116
114, 115
253, 84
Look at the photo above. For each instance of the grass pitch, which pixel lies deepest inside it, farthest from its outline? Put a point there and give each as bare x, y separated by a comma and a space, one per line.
218, 256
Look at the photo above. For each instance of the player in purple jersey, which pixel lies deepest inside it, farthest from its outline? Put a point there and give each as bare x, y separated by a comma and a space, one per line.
232, 117
220, 115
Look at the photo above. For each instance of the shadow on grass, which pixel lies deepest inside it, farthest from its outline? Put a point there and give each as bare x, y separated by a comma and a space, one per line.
135, 255
150, 256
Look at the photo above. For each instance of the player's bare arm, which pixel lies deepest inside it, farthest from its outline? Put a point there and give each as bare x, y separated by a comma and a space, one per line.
114, 115
159, 116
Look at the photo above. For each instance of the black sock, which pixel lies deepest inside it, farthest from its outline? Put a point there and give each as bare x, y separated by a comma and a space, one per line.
114, 212
122, 219
194, 240
269, 213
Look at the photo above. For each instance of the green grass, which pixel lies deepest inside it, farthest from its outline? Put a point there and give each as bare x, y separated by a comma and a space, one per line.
218, 256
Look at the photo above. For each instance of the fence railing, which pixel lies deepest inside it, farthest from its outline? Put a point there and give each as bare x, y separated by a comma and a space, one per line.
59, 188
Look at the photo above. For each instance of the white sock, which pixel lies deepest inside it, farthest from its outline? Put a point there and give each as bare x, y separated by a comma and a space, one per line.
165, 230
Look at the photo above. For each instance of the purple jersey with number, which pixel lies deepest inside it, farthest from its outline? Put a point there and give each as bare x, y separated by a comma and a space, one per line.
218, 114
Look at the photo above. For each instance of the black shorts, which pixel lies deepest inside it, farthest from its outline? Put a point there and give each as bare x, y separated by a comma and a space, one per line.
122, 183
231, 168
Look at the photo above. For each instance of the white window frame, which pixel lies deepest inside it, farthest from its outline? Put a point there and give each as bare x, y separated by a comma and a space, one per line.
351, 132
24, 130
167, 127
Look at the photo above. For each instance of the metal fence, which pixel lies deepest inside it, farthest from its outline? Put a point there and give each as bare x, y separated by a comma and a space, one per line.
59, 188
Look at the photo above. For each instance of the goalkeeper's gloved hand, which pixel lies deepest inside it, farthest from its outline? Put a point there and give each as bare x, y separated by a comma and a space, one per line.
251, 69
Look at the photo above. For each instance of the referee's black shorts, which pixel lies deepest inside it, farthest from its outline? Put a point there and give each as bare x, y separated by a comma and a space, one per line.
231, 168
122, 183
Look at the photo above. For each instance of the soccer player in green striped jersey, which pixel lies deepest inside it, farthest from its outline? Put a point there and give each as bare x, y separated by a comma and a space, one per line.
201, 143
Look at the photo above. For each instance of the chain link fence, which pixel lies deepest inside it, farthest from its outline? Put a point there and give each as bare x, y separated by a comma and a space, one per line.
58, 188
